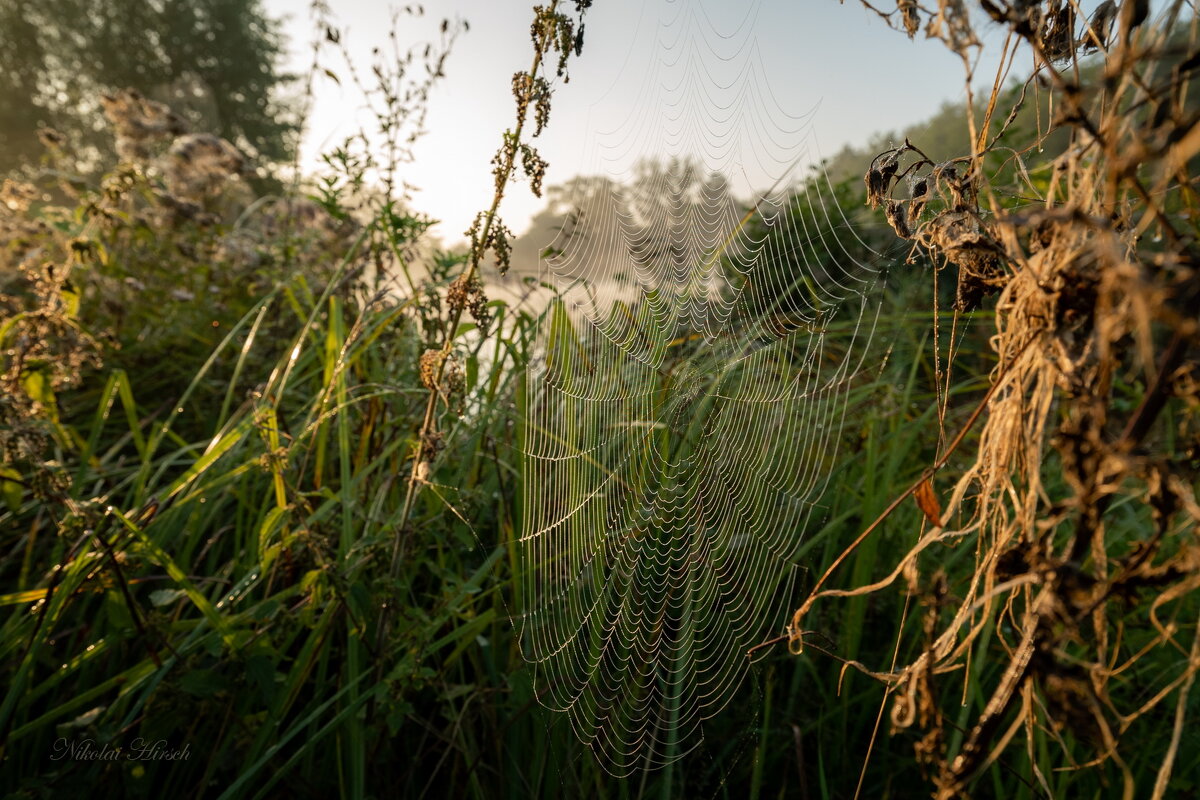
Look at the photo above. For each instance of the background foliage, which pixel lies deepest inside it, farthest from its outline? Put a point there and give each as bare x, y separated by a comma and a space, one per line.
214, 61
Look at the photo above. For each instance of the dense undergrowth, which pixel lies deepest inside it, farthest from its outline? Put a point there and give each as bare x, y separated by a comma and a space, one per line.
215, 410
204, 476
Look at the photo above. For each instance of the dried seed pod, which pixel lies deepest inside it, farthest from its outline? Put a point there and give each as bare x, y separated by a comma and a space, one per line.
453, 379
535, 168
458, 293
1057, 33
1134, 13
501, 246
960, 187
477, 305
431, 445
430, 365
469, 295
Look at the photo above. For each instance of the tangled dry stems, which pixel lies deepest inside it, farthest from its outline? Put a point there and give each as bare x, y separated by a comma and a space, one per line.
1097, 291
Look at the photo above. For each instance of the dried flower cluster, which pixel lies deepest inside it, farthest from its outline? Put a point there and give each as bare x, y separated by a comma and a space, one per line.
556, 36
442, 375
430, 368
467, 293
45, 350
139, 123
498, 239
529, 90
20, 231
199, 164
957, 230
150, 136
558, 30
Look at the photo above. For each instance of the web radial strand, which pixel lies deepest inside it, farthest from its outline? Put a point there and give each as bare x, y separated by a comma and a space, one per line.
685, 407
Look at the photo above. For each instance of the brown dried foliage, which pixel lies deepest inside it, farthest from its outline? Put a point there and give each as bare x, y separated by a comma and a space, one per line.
1096, 334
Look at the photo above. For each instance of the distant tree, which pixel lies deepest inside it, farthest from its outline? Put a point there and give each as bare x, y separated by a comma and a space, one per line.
213, 61
654, 221
580, 215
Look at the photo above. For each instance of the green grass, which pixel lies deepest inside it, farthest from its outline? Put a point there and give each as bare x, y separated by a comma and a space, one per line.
223, 570
215, 573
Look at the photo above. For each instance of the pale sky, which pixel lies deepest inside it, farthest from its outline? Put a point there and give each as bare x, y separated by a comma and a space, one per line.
837, 61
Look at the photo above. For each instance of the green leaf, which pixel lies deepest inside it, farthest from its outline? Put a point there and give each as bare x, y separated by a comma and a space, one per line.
202, 682
268, 543
164, 597
37, 386
216, 448
11, 488
261, 674
70, 301
117, 610
17, 598
472, 372
8, 324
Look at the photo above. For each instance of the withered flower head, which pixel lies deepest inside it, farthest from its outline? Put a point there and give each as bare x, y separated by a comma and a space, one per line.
199, 164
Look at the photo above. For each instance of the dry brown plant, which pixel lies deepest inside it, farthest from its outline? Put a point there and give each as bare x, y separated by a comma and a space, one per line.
556, 34
1080, 503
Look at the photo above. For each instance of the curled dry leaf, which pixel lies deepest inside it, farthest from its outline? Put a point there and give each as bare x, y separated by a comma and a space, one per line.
897, 216
879, 177
928, 503
908, 13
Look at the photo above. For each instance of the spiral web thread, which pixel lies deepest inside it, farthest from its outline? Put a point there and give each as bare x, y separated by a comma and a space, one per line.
685, 407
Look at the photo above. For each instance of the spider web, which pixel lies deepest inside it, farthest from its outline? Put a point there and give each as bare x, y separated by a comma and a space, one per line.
685, 406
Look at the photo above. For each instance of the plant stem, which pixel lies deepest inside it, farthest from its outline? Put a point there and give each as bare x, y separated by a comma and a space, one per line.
478, 249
